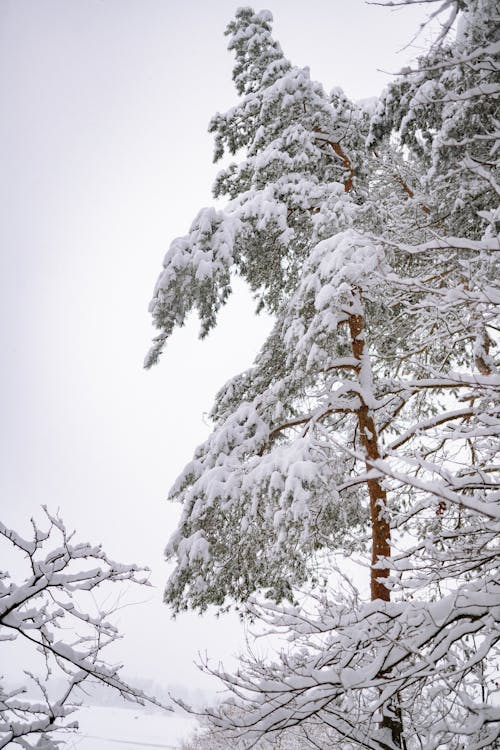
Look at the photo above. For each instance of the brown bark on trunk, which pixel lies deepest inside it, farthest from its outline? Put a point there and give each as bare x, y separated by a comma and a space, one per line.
381, 530
337, 148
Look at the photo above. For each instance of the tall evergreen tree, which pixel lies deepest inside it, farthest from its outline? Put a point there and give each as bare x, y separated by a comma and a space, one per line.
369, 418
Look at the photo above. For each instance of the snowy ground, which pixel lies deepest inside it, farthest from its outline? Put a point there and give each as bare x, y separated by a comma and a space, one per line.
110, 728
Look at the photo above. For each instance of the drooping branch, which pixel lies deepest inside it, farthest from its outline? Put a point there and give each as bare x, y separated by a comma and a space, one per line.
308, 420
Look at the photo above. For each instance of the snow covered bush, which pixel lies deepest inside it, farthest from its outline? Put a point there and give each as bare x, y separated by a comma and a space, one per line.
51, 619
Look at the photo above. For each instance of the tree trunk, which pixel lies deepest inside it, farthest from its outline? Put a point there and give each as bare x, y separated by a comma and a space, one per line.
381, 530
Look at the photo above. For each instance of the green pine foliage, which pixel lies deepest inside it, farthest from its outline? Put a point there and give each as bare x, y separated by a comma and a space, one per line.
368, 423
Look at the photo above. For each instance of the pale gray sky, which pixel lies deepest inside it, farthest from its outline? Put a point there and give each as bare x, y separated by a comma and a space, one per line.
105, 159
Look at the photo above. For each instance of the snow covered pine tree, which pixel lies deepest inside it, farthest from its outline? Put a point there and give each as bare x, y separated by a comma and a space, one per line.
369, 420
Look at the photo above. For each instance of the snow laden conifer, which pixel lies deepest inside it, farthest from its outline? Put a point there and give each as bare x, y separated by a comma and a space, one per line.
368, 422
295, 158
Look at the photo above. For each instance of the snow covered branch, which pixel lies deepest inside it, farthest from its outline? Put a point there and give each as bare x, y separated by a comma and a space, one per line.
52, 618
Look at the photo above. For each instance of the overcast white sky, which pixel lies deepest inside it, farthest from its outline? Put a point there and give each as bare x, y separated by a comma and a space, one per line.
105, 159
